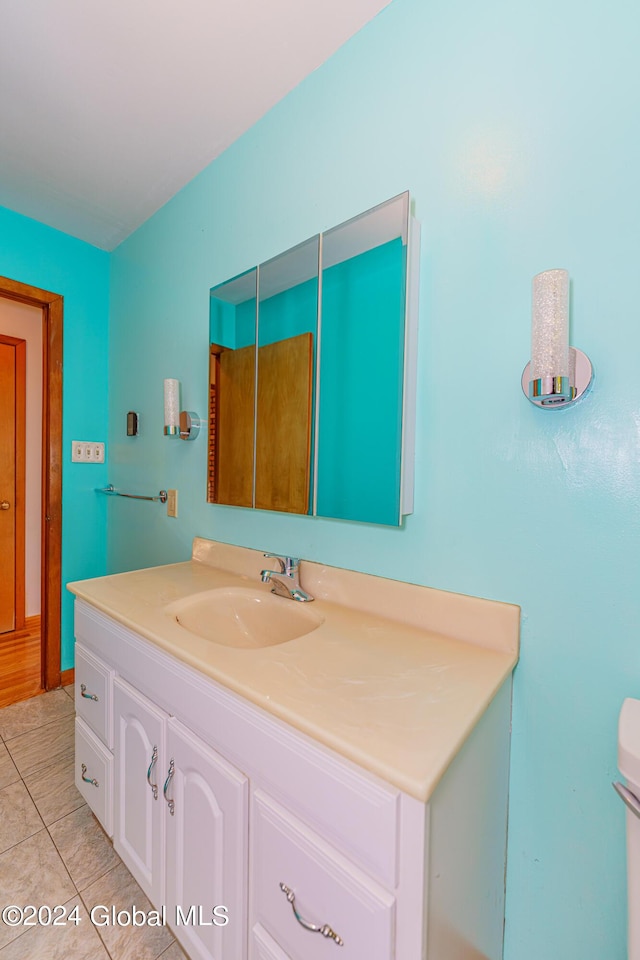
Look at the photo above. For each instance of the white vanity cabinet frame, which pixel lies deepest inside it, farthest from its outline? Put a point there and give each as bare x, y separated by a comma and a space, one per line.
442, 862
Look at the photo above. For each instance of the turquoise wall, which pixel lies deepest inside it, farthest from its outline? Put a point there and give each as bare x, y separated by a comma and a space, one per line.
41, 257
514, 127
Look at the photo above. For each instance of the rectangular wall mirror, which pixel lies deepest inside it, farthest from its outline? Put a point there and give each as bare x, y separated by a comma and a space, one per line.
312, 374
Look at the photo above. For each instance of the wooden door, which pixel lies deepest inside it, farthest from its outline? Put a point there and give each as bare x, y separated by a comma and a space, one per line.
12, 481
52, 320
207, 836
139, 759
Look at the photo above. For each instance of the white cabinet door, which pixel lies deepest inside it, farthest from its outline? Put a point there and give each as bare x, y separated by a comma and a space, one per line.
139, 749
207, 836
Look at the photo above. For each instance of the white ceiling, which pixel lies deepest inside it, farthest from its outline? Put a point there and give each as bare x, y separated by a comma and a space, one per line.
108, 109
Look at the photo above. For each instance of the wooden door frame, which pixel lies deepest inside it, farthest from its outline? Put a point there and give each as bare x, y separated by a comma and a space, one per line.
51, 305
20, 475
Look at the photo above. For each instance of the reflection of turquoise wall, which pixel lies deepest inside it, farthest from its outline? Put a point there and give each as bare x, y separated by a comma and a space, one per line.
289, 313
246, 324
222, 320
232, 325
499, 117
45, 258
361, 363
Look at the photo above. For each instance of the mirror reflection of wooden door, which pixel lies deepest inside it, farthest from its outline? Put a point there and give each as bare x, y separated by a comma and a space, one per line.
12, 464
283, 434
236, 391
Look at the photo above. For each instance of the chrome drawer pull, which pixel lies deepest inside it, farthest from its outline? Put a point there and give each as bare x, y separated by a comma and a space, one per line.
88, 779
87, 696
166, 787
325, 929
154, 786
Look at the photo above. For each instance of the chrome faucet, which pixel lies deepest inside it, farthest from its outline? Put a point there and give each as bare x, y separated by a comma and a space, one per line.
286, 580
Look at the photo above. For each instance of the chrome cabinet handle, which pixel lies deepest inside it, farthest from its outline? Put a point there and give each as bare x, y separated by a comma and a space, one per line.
166, 787
628, 797
325, 929
87, 696
88, 779
154, 786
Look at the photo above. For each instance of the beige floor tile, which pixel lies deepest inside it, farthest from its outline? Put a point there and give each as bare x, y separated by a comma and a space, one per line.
118, 889
70, 690
32, 873
42, 747
53, 789
70, 942
173, 953
84, 847
8, 772
22, 717
19, 818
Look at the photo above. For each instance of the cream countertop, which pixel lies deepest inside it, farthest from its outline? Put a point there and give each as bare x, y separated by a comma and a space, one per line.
395, 680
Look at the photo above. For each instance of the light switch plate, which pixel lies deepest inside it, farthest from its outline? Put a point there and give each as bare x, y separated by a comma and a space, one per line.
87, 451
172, 503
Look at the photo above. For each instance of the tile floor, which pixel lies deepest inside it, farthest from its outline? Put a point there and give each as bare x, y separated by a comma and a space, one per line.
52, 849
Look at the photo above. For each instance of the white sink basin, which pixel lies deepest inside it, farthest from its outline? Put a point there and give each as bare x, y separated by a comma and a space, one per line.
243, 617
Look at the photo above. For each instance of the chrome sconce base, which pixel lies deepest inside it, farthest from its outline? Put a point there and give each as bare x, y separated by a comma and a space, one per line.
555, 392
189, 425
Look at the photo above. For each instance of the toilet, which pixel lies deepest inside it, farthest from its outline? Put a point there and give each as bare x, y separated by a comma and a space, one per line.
629, 765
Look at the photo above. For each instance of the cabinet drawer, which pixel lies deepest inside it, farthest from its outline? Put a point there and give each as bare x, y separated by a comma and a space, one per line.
328, 889
93, 694
94, 774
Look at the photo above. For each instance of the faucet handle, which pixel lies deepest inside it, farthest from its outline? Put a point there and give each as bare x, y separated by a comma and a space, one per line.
281, 560
288, 565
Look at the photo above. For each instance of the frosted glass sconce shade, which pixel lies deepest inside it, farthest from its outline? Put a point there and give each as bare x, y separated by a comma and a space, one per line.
550, 325
557, 374
171, 408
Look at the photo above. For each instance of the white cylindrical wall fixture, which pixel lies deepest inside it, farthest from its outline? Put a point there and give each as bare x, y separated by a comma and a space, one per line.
549, 382
550, 325
557, 374
171, 408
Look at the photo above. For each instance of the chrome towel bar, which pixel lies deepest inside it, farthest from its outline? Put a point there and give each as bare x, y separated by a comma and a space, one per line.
112, 492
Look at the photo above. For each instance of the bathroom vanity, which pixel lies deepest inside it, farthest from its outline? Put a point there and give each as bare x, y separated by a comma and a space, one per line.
341, 794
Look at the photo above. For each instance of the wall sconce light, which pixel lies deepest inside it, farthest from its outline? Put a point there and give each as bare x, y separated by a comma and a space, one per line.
557, 374
184, 424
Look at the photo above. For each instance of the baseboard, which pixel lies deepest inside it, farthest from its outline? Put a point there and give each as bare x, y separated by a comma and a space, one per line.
32, 623
67, 677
